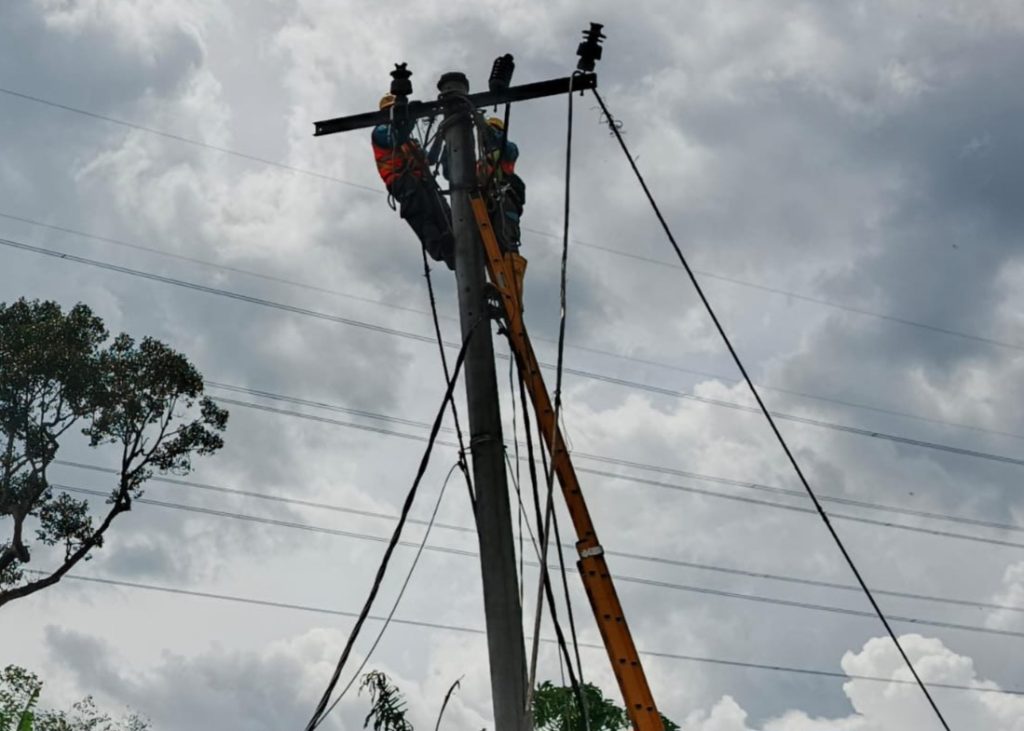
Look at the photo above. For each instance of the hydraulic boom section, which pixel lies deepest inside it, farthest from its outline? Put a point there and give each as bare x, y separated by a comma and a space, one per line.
592, 565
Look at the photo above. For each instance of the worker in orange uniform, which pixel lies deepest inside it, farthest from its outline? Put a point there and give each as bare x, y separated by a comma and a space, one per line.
403, 168
506, 194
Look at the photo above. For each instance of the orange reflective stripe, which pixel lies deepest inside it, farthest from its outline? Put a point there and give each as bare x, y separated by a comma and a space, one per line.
392, 162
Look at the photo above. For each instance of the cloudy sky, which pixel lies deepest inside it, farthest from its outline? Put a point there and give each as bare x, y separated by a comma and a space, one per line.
847, 179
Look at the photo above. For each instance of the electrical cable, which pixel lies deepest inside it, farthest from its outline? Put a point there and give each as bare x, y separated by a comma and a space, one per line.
695, 490
464, 553
210, 264
700, 491
514, 474
541, 530
529, 530
746, 485
320, 712
563, 298
463, 467
544, 578
250, 601
187, 140
764, 409
582, 348
662, 560
874, 434
401, 592
606, 249
829, 425
750, 383
796, 295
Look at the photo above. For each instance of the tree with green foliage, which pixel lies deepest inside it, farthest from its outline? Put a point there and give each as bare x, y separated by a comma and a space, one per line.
143, 399
19, 711
555, 709
387, 706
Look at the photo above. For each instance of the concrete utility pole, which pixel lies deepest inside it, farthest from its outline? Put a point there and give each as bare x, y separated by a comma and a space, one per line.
492, 510
493, 515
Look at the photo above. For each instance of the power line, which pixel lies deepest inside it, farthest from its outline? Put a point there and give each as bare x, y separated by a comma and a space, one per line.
210, 264
663, 560
800, 509
401, 593
435, 318
575, 675
188, 140
711, 312
321, 711
693, 490
796, 295
870, 433
609, 250
764, 409
747, 485
582, 348
479, 632
707, 591
577, 372
217, 291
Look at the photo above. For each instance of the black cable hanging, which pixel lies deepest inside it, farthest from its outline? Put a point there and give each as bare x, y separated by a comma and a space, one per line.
463, 466
319, 714
581, 696
401, 593
614, 128
543, 567
543, 522
514, 475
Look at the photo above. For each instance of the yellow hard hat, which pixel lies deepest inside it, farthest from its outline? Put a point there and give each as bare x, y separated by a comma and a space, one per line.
387, 100
496, 123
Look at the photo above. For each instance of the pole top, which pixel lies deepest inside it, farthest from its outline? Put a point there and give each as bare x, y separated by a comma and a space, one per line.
453, 82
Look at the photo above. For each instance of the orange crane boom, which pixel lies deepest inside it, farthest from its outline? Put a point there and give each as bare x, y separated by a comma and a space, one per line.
593, 568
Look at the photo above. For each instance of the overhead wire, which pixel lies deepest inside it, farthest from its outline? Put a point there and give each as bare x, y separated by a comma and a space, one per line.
463, 467
789, 294
321, 709
616, 252
552, 444
870, 433
543, 526
421, 624
544, 588
768, 416
575, 346
690, 272
679, 488
210, 264
543, 567
514, 473
742, 484
398, 598
187, 140
685, 488
661, 560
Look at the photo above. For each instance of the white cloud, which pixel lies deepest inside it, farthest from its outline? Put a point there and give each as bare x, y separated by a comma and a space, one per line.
807, 147
1010, 594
